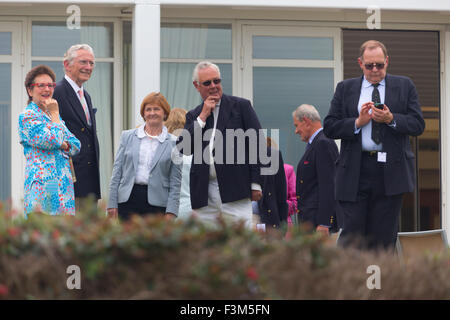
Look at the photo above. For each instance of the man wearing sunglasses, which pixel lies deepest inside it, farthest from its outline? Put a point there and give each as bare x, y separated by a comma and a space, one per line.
220, 187
77, 112
373, 115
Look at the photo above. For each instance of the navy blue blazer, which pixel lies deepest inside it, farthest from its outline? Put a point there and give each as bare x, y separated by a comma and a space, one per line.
273, 208
234, 179
72, 113
399, 173
315, 182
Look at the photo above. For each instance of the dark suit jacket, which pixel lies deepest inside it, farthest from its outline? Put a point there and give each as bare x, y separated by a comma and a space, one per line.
273, 208
86, 162
401, 98
234, 179
315, 182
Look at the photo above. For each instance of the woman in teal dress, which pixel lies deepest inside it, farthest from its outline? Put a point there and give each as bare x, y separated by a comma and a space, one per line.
47, 146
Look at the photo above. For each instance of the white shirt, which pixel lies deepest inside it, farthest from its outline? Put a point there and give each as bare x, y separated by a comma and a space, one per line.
366, 95
147, 151
75, 87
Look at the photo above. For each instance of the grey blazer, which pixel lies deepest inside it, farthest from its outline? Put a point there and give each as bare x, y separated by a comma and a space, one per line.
165, 175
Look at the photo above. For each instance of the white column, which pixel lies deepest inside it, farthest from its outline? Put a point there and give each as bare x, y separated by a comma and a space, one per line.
445, 136
146, 54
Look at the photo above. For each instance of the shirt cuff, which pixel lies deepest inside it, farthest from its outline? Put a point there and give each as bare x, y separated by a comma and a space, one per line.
200, 122
357, 130
393, 124
325, 226
256, 187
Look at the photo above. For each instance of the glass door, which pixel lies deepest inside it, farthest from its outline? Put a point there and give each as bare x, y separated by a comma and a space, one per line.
10, 107
284, 67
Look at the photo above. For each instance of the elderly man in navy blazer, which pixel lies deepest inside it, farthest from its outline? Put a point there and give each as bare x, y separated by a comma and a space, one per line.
75, 108
316, 205
220, 187
374, 115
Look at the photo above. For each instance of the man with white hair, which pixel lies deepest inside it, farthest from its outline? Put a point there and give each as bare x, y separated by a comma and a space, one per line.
75, 107
316, 204
219, 187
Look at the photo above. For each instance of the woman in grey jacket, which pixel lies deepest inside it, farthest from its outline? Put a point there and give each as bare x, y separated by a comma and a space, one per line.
145, 180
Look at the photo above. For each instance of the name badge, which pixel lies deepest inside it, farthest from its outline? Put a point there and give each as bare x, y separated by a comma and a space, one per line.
381, 156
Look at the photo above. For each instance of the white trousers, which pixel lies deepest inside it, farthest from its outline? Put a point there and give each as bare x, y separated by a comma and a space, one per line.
231, 212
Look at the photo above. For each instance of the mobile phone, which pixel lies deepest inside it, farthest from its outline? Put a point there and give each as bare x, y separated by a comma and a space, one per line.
379, 106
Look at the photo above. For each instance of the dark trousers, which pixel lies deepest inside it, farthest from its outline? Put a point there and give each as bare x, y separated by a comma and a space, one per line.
138, 204
372, 221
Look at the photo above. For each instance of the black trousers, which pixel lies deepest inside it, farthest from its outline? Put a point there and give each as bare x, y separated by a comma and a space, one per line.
372, 221
138, 204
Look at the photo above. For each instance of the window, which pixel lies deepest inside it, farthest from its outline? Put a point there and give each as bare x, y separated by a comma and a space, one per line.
182, 47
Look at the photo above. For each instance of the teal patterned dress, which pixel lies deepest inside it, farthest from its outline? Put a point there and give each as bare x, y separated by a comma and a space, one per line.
48, 183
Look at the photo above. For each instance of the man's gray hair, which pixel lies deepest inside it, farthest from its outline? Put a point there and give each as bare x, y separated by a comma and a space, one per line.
72, 52
308, 111
203, 65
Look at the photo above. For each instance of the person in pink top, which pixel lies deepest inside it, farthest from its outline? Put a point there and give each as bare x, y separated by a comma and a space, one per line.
291, 196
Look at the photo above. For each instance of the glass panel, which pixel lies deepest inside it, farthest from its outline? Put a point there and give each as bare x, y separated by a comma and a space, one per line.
277, 92
100, 88
5, 131
177, 87
99, 35
128, 112
196, 41
292, 48
5, 43
56, 66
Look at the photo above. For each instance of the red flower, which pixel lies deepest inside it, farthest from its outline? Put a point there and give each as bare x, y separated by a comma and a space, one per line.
56, 234
3, 290
252, 274
13, 231
35, 235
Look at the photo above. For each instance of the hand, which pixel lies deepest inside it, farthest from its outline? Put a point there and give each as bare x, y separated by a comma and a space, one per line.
382, 116
169, 216
256, 195
65, 146
364, 115
51, 106
208, 106
113, 212
324, 231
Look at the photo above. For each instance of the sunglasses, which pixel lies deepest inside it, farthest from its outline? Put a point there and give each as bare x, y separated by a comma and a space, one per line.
370, 66
208, 82
51, 85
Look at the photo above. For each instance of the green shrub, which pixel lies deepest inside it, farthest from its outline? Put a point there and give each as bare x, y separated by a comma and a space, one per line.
156, 258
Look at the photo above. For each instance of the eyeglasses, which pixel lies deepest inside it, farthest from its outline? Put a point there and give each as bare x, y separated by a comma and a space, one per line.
207, 83
369, 66
86, 62
50, 85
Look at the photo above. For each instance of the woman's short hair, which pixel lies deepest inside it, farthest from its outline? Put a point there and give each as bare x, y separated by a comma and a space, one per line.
158, 99
176, 119
37, 71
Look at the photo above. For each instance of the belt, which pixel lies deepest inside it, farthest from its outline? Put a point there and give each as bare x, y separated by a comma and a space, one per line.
370, 153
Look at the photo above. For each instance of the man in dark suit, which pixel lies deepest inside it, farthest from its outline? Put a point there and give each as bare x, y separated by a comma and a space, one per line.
316, 205
75, 107
373, 115
220, 184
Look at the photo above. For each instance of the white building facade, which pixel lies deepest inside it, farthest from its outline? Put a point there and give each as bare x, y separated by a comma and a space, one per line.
277, 53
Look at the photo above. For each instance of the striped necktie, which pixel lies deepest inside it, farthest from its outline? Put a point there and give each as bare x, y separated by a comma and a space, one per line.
84, 105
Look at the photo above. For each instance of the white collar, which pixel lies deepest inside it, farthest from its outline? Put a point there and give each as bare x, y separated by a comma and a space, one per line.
367, 84
142, 134
73, 84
